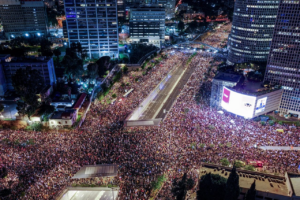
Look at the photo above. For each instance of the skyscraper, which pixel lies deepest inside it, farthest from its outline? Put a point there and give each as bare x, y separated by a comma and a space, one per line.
93, 23
283, 65
252, 30
147, 25
23, 18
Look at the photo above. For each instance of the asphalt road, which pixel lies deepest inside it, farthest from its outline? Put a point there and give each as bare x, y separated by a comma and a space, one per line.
166, 97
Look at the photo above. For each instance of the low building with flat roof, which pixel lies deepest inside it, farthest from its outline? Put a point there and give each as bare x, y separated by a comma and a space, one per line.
268, 186
63, 119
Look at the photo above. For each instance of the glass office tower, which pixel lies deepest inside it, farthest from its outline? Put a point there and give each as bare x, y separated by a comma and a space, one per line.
284, 59
252, 30
93, 23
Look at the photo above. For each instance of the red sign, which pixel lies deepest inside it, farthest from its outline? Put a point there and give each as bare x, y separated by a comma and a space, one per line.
226, 95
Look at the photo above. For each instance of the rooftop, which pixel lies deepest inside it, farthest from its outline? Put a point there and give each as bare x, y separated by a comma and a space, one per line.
60, 114
89, 171
228, 77
246, 178
90, 193
29, 59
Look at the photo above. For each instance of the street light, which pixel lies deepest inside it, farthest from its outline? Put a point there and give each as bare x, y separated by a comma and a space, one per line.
26, 34
38, 34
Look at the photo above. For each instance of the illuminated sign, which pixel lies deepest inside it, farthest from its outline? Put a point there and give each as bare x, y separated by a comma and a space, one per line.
261, 105
237, 103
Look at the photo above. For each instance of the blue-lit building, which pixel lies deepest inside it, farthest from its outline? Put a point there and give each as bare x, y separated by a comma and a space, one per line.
95, 25
23, 18
252, 30
283, 65
9, 66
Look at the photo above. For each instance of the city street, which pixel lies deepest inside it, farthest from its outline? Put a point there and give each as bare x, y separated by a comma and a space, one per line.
159, 107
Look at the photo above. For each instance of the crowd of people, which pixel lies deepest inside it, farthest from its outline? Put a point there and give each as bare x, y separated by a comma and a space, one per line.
218, 38
41, 164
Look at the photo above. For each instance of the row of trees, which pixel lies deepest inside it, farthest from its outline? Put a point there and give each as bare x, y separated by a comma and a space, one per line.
213, 187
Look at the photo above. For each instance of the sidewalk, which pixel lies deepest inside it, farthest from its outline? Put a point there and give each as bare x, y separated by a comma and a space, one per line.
284, 148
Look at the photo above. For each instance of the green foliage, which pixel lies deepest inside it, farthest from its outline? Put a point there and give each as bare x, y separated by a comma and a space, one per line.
232, 190
224, 162
113, 95
136, 79
211, 145
144, 73
35, 127
238, 164
250, 167
125, 69
27, 83
191, 57
280, 122
155, 185
117, 77
193, 145
228, 144
271, 122
263, 123
211, 187
201, 145
137, 51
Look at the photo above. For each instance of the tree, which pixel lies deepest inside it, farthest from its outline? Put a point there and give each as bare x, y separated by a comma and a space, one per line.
27, 84
73, 66
193, 26
103, 65
1, 108
181, 26
232, 186
45, 109
57, 53
211, 187
251, 193
92, 71
179, 188
46, 48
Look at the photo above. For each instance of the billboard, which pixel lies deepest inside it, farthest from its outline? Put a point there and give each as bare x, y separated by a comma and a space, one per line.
239, 104
261, 105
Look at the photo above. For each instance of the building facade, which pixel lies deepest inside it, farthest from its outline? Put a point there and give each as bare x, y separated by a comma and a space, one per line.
252, 29
147, 25
283, 65
95, 25
23, 18
44, 65
169, 7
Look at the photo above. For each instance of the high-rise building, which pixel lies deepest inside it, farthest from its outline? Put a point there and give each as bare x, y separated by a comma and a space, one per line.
9, 66
95, 25
147, 25
23, 18
169, 7
121, 8
283, 65
252, 30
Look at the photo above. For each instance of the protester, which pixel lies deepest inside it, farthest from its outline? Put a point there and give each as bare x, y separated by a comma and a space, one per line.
41, 164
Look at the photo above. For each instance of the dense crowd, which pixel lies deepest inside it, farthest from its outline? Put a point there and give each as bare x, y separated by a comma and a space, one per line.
218, 38
41, 164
